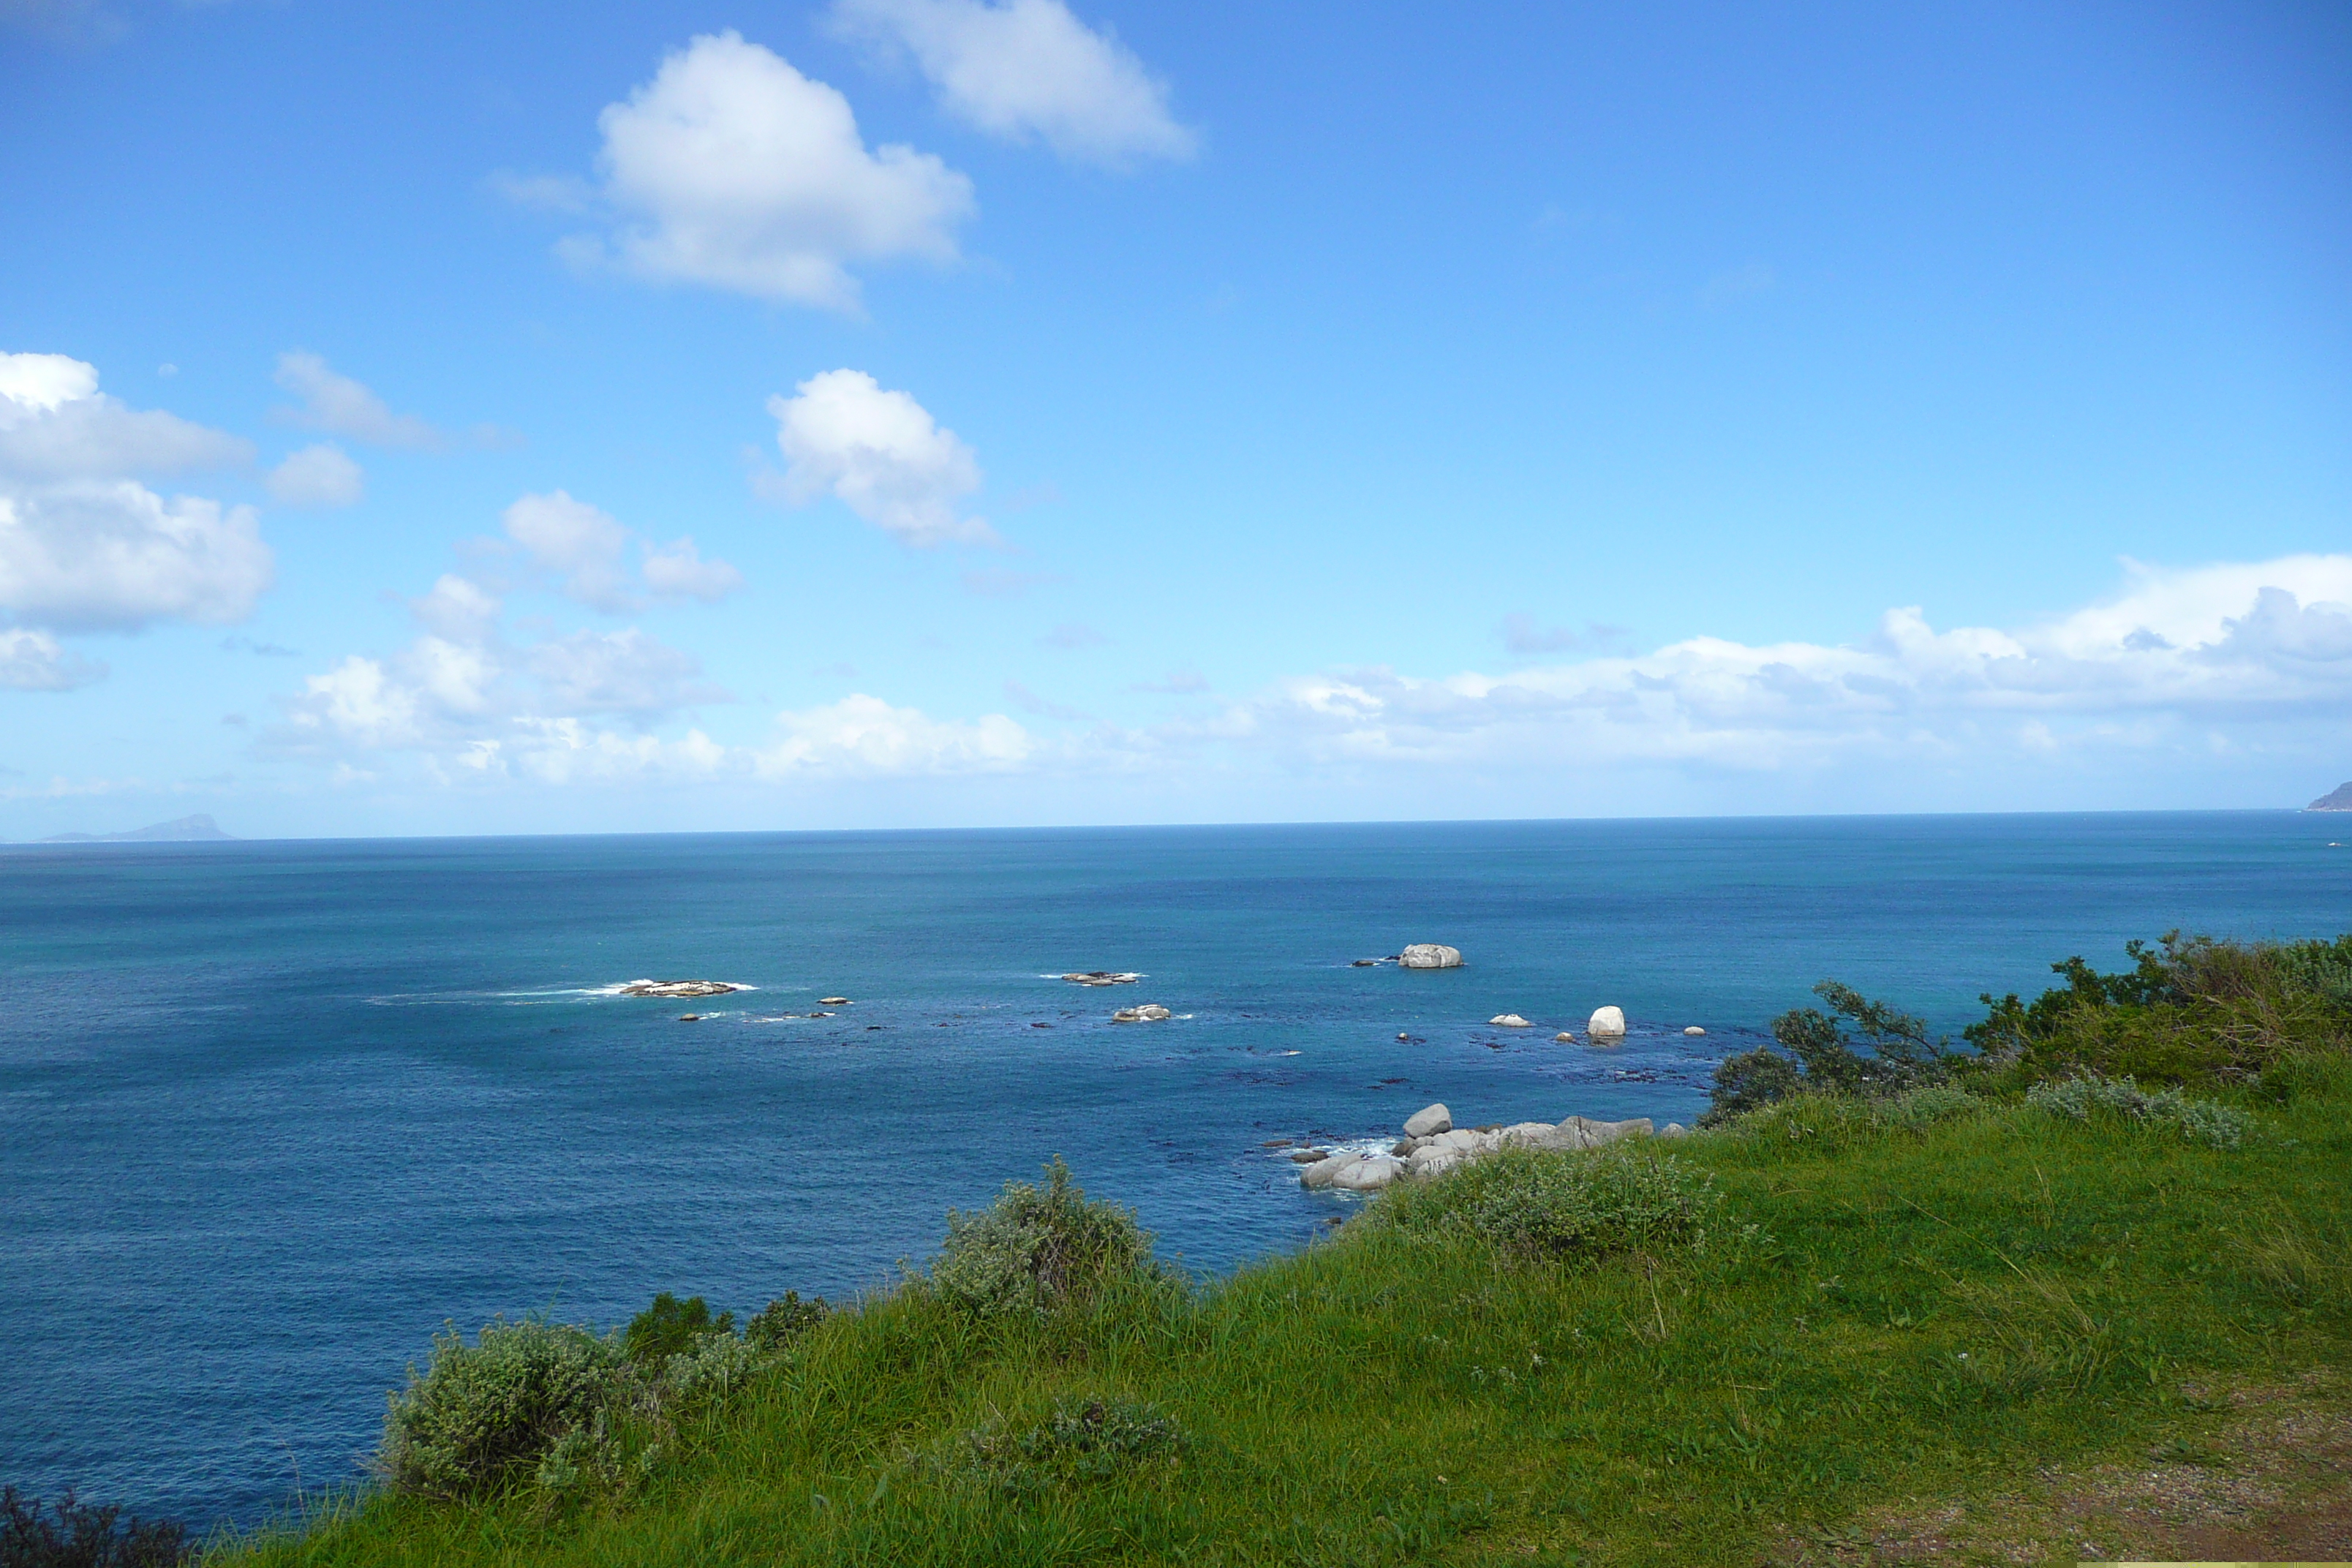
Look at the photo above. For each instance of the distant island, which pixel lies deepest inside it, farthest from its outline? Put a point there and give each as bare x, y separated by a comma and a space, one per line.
2340, 801
178, 829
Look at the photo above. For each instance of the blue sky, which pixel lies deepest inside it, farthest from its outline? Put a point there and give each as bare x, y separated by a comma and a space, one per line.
937, 412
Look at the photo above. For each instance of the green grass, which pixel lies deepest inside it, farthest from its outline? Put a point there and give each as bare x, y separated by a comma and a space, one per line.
1883, 1306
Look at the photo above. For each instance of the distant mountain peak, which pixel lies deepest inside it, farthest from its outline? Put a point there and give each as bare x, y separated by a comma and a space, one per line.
2341, 800
179, 829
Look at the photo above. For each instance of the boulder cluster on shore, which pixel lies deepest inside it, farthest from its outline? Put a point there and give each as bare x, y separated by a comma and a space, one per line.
1433, 1145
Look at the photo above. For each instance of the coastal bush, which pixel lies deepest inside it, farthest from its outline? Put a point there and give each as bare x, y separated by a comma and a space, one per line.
70, 1534
483, 1415
670, 1326
1895, 1056
1035, 1250
2079, 1098
2192, 1013
1551, 1203
784, 1320
1918, 1108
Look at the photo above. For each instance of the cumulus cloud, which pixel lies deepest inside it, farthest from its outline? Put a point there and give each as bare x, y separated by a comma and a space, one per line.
319, 476
732, 169
582, 547
461, 693
2185, 657
863, 737
1027, 71
678, 571
336, 403
32, 661
56, 425
580, 544
881, 455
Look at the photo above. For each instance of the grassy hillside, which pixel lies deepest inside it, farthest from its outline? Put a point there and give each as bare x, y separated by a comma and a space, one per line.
1920, 1324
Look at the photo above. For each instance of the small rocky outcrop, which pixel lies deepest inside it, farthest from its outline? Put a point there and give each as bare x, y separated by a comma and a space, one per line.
1428, 1121
1507, 1021
1606, 1021
1101, 977
833, 1001
1565, 1038
1693, 1029
680, 989
1429, 955
1149, 1013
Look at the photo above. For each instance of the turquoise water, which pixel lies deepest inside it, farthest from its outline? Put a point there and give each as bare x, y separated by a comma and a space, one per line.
271, 1112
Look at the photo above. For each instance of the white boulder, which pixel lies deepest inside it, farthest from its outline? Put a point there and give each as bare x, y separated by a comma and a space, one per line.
1368, 1175
1583, 1132
1428, 1121
1149, 1013
1429, 955
1693, 1029
1508, 1021
1324, 1172
1606, 1021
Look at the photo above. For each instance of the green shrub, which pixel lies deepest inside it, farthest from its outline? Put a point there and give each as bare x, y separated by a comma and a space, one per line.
1896, 1056
1033, 1250
784, 1320
1551, 1203
2202, 1121
70, 1534
670, 1326
484, 1414
2193, 1011
1080, 1441
1922, 1108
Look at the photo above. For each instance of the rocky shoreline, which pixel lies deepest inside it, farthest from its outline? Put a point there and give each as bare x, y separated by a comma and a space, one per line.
1433, 1145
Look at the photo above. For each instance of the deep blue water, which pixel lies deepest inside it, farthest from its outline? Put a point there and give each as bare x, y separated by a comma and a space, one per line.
271, 1112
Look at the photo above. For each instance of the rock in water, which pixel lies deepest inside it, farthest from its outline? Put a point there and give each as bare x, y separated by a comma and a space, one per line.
678, 989
833, 1001
1149, 1013
1323, 1172
1429, 955
1693, 1029
1368, 1175
1428, 1121
1102, 977
1565, 1038
1606, 1021
1508, 1021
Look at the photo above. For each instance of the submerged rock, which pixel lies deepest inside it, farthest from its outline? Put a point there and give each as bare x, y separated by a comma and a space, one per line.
1606, 1021
680, 989
1508, 1021
1429, 955
1149, 1013
1428, 1121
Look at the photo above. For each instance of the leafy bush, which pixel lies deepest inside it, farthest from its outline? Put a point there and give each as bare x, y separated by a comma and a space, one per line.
2199, 1120
1923, 1107
670, 1326
1081, 1440
1896, 1056
70, 1534
784, 1320
2190, 1012
1032, 1250
1552, 1204
484, 1414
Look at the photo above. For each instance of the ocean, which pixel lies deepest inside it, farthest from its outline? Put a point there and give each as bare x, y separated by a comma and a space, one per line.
271, 1113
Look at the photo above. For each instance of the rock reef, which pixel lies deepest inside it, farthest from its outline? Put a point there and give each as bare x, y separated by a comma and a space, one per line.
1101, 977
680, 989
1433, 1145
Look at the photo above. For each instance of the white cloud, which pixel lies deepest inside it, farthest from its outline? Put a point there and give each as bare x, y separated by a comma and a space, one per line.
1027, 69
2236, 648
678, 571
116, 557
336, 403
619, 672
583, 546
32, 661
580, 544
862, 737
880, 453
732, 169
56, 425
318, 476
